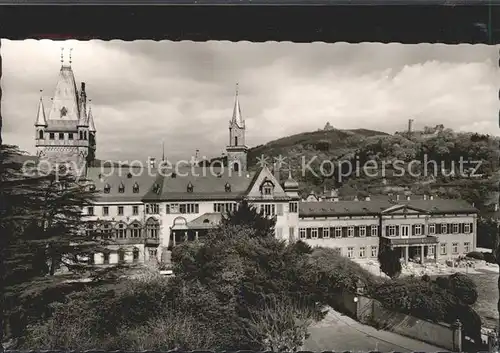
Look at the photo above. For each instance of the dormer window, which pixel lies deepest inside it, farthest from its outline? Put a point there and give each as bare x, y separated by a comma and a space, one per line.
107, 188
190, 187
267, 188
227, 187
135, 188
121, 188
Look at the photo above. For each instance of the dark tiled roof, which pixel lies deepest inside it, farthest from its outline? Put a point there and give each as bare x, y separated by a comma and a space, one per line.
206, 185
114, 177
379, 204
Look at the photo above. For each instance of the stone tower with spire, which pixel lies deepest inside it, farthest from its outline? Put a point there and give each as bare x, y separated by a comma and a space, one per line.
237, 150
66, 134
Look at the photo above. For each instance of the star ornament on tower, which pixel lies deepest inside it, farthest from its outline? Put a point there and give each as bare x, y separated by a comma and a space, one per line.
262, 161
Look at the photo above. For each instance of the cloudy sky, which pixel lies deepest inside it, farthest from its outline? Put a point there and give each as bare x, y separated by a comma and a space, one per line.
144, 92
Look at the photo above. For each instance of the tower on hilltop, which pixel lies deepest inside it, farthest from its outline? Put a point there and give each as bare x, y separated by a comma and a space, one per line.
67, 134
237, 150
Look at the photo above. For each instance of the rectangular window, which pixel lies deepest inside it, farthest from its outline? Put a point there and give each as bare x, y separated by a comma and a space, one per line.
467, 228
268, 190
362, 252
152, 208
105, 211
444, 228
279, 232
106, 258
432, 229
454, 248
291, 233
90, 211
302, 233
443, 249
392, 231
362, 231
326, 232
135, 210
374, 231
374, 251
314, 233
418, 229
404, 230
350, 252
152, 253
279, 209
350, 232
70, 136
338, 232
430, 250
269, 210
294, 207
172, 208
188, 208
466, 247
455, 228
61, 136
120, 210
51, 136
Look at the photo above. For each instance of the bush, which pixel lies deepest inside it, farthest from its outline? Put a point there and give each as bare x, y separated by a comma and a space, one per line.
489, 257
389, 262
475, 255
461, 286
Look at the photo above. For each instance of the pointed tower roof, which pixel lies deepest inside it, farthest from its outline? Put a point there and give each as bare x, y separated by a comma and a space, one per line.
90, 120
237, 118
65, 100
40, 118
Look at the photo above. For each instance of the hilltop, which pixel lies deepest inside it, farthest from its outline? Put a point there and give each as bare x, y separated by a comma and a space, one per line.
391, 153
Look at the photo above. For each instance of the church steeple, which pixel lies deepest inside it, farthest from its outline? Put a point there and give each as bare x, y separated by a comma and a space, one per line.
237, 117
237, 150
40, 118
90, 120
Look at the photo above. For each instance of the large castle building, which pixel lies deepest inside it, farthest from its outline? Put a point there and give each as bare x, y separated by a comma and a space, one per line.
148, 211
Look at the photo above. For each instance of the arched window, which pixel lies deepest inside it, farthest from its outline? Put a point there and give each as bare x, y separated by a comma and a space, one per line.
135, 255
236, 140
105, 257
135, 188
107, 188
135, 230
152, 228
121, 188
121, 231
121, 255
236, 166
40, 134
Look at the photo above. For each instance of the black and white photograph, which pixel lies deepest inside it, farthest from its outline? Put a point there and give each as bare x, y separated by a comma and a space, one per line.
225, 196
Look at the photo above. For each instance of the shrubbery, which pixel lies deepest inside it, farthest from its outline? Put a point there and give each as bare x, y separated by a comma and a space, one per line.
476, 255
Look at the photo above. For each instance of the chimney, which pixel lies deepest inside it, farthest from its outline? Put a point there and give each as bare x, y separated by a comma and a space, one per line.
410, 122
397, 197
276, 172
367, 198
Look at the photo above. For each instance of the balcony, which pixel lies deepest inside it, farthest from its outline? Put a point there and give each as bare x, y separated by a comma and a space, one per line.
412, 240
152, 241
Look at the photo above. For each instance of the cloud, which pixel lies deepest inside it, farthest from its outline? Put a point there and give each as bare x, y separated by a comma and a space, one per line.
146, 92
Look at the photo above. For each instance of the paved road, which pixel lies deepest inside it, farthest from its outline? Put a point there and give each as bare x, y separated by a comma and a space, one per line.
338, 332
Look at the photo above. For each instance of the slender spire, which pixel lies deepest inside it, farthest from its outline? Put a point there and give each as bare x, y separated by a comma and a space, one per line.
90, 119
163, 150
40, 118
237, 118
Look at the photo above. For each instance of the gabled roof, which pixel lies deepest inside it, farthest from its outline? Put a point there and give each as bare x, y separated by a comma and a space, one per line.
264, 175
126, 176
207, 185
237, 117
40, 117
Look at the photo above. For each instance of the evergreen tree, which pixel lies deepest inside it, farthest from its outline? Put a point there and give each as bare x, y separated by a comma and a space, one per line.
389, 261
248, 216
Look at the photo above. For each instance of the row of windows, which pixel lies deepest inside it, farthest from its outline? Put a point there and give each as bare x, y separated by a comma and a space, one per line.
120, 210
61, 135
182, 208
406, 230
123, 231
225, 207
190, 208
121, 256
338, 232
454, 248
362, 251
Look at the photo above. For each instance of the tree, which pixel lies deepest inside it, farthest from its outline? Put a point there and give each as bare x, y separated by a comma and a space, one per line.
389, 262
247, 215
280, 324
